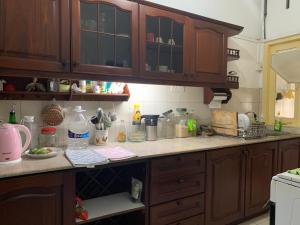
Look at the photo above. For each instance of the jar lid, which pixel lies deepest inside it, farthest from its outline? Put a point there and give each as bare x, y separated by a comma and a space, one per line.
48, 130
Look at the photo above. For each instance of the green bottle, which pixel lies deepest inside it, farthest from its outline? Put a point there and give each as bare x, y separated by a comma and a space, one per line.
12, 115
278, 124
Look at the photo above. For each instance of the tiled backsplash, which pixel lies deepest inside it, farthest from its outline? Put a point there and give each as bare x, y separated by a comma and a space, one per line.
153, 99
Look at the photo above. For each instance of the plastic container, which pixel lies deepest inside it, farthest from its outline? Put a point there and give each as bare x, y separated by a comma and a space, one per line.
82, 86
169, 124
78, 130
137, 116
181, 128
47, 137
192, 124
28, 121
136, 133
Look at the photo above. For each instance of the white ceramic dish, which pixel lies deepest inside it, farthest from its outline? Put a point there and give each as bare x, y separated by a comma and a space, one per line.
43, 156
243, 121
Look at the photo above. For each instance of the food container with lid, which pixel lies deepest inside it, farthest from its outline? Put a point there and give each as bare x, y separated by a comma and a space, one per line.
47, 137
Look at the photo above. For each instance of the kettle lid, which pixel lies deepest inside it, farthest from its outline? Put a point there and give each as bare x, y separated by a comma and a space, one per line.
5, 125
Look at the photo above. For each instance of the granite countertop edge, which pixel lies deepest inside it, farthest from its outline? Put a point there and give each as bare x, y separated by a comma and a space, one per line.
144, 150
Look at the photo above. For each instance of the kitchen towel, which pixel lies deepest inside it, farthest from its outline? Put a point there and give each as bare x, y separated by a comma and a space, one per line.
115, 153
85, 158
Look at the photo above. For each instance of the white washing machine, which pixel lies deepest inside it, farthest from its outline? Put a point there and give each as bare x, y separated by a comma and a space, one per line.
285, 199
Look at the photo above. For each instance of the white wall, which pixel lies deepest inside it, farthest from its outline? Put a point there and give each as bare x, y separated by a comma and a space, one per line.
153, 99
281, 21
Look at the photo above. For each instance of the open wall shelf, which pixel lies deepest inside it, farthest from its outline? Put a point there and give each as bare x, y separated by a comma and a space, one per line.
233, 54
21, 94
60, 96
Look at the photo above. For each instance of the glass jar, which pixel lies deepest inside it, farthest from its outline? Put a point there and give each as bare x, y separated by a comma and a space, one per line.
121, 132
47, 137
169, 124
181, 128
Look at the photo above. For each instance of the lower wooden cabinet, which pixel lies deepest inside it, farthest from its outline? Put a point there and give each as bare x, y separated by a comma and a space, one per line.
225, 186
261, 167
177, 210
238, 182
289, 155
196, 220
35, 200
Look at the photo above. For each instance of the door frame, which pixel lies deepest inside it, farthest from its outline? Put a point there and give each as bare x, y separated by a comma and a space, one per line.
269, 80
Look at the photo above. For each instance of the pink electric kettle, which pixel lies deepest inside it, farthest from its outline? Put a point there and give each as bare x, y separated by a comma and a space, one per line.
11, 147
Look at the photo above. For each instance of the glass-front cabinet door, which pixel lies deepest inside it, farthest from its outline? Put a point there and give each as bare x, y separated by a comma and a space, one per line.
105, 37
162, 44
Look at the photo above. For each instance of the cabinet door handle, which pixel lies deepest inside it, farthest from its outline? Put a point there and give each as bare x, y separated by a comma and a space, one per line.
65, 63
179, 159
246, 152
180, 181
179, 203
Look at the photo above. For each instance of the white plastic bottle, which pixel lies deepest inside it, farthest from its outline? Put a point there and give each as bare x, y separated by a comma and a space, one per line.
28, 121
78, 130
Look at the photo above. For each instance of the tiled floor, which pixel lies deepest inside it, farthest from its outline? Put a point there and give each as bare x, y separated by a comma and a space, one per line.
261, 220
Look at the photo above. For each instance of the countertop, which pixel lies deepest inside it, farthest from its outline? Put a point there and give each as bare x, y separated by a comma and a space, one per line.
143, 150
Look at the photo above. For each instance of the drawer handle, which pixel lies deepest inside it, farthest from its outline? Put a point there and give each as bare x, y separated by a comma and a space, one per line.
180, 181
179, 159
179, 203
199, 162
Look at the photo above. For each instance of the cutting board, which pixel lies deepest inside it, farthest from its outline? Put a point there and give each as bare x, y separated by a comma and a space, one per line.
225, 122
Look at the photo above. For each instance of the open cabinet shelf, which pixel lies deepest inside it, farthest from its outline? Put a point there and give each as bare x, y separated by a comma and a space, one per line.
109, 206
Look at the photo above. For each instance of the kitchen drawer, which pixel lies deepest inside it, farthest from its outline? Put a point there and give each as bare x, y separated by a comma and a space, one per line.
196, 220
178, 165
177, 210
174, 187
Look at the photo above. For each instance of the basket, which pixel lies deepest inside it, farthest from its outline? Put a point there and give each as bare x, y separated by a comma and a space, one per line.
255, 130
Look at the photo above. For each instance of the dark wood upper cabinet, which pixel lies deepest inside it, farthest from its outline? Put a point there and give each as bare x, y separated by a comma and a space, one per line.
225, 186
35, 200
105, 37
163, 44
289, 155
208, 58
261, 167
34, 35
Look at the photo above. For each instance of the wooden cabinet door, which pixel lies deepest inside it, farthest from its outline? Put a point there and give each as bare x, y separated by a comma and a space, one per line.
208, 57
163, 44
34, 35
289, 155
261, 167
35, 200
105, 37
225, 186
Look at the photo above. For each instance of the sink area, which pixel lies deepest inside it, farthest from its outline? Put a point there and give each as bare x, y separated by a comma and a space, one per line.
272, 133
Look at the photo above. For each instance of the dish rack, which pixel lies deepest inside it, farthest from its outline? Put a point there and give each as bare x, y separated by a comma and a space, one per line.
255, 130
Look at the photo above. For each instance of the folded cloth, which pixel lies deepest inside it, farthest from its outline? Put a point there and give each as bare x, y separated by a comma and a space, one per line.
294, 171
115, 153
85, 158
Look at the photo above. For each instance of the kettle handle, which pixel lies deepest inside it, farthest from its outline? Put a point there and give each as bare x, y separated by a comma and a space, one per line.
26, 131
